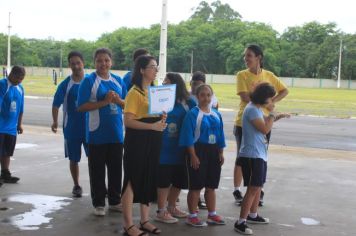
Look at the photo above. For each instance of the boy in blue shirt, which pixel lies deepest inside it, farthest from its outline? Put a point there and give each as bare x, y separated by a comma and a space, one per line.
127, 77
11, 110
73, 121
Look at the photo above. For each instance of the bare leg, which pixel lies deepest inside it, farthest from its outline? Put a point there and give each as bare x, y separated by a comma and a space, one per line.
74, 170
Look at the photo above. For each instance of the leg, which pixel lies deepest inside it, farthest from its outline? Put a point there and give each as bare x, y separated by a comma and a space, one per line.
193, 198
74, 170
249, 199
114, 167
210, 199
5, 163
162, 197
144, 222
173, 196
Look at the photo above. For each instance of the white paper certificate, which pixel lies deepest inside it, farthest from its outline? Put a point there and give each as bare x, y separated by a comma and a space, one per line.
161, 98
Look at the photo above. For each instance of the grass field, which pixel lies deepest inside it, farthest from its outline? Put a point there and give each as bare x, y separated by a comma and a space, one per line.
321, 102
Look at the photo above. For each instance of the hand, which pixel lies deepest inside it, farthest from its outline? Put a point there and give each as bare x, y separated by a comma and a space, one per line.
19, 129
159, 126
281, 116
221, 159
54, 127
194, 162
109, 97
164, 117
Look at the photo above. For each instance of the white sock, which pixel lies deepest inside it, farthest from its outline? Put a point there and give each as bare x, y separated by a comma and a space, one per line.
160, 210
241, 221
213, 213
253, 215
193, 215
237, 188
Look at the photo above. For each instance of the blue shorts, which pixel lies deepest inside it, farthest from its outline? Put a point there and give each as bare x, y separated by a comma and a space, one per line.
73, 149
254, 171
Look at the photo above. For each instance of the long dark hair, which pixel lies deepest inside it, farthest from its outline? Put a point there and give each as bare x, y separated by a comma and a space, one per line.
140, 63
182, 93
257, 50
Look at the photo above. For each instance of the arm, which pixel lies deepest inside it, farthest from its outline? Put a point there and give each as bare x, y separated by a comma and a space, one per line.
244, 96
281, 94
55, 119
194, 160
19, 124
90, 106
264, 125
131, 122
117, 100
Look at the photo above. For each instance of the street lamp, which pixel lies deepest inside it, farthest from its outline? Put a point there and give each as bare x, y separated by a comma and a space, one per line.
339, 69
8, 48
163, 44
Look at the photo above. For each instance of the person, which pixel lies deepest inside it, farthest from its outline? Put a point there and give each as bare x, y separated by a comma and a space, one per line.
11, 111
73, 121
247, 80
102, 95
172, 176
203, 136
253, 153
127, 77
143, 138
199, 78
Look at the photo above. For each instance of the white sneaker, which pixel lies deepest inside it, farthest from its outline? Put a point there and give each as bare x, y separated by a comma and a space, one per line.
165, 217
117, 208
99, 211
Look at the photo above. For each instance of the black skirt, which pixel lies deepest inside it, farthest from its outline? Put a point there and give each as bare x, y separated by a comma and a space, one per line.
141, 159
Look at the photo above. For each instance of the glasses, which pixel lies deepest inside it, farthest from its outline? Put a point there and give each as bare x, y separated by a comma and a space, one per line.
155, 67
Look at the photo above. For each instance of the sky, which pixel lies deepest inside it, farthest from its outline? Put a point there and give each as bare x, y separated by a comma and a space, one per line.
88, 19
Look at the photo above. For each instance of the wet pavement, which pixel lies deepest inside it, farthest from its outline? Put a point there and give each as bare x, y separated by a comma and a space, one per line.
309, 191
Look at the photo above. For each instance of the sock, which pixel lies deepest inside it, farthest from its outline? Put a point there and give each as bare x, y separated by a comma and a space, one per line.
241, 221
213, 213
253, 215
193, 215
237, 188
160, 211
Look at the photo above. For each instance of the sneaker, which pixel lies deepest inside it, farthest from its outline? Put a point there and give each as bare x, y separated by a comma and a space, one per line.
260, 203
257, 220
202, 205
165, 217
99, 211
8, 178
177, 213
195, 221
77, 191
242, 228
215, 220
238, 197
117, 208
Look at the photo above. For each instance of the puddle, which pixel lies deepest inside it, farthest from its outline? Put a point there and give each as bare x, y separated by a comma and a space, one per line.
42, 206
309, 221
25, 145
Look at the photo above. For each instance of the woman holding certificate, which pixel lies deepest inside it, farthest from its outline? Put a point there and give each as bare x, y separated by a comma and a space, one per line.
142, 146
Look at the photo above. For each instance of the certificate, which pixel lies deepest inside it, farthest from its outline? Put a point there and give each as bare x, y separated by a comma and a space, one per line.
161, 99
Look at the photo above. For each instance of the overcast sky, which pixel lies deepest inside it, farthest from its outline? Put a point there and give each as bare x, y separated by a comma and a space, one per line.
88, 19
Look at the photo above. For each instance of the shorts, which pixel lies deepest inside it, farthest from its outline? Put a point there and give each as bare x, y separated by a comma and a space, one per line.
254, 171
73, 149
209, 171
175, 175
7, 145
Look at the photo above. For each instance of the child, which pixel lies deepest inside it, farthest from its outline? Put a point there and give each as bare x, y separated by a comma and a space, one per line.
203, 136
253, 153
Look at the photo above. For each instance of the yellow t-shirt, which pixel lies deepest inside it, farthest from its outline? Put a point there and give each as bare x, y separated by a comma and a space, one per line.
247, 81
136, 102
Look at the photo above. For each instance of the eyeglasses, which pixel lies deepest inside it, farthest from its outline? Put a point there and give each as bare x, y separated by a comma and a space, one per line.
155, 67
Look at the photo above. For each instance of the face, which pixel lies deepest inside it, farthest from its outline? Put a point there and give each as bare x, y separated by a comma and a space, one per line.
204, 96
76, 65
269, 105
16, 80
103, 63
251, 60
194, 85
150, 71
166, 81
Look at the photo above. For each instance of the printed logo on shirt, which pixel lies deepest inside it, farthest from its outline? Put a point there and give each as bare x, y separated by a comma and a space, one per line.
212, 139
172, 130
113, 108
13, 106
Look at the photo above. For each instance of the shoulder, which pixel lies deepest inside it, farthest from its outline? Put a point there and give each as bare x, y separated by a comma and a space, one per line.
118, 78
135, 92
191, 103
268, 73
242, 74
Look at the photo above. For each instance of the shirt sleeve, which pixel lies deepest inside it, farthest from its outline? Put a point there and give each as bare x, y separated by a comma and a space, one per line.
253, 113
3, 87
132, 103
58, 98
23, 100
124, 89
84, 92
277, 83
241, 83
127, 79
186, 137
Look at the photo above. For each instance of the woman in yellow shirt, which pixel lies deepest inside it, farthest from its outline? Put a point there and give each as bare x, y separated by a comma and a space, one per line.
142, 147
247, 80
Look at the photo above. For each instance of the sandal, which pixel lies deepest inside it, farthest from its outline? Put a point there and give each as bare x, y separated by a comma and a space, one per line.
153, 231
126, 231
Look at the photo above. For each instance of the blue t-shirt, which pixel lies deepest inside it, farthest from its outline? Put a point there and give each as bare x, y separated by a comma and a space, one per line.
201, 127
171, 153
11, 106
127, 80
103, 125
73, 121
254, 143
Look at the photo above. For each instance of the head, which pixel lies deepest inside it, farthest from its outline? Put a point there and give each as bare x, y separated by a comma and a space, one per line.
139, 52
145, 69
198, 78
263, 94
253, 56
76, 63
103, 61
204, 92
17, 75
181, 90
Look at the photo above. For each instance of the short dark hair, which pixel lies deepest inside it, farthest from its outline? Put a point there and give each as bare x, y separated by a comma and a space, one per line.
102, 51
261, 93
17, 71
199, 76
140, 63
139, 52
257, 50
201, 87
182, 93
75, 54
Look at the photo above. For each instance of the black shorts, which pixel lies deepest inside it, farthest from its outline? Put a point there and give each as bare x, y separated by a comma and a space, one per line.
208, 173
254, 171
7, 145
175, 175
238, 138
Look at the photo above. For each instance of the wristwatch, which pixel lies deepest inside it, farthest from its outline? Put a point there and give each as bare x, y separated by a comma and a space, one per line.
272, 115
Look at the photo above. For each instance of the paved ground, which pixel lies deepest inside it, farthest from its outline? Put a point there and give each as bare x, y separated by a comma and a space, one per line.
319, 184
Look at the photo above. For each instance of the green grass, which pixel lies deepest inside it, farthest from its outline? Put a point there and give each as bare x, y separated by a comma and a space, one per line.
322, 102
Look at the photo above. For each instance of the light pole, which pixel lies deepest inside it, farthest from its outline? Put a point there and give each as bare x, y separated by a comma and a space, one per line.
9, 48
191, 62
339, 69
163, 44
